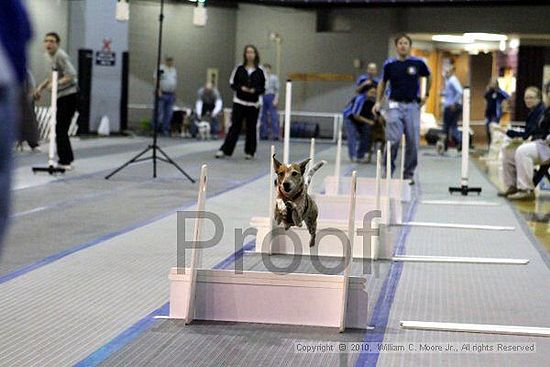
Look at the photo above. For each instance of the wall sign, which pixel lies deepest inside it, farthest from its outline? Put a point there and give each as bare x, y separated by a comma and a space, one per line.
105, 57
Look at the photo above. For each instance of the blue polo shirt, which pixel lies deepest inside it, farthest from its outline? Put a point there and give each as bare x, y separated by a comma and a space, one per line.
403, 76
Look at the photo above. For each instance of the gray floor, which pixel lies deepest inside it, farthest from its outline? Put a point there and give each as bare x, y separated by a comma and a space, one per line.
111, 243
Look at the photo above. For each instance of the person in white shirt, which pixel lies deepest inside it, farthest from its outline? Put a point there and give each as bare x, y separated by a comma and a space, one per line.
270, 118
167, 95
209, 103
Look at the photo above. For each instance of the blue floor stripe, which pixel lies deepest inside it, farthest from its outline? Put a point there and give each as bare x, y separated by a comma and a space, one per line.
130, 334
50, 259
381, 312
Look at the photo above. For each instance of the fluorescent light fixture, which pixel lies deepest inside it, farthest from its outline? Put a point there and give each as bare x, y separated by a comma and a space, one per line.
491, 37
452, 38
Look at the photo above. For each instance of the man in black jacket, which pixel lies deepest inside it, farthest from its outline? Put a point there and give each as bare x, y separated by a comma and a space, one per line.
248, 82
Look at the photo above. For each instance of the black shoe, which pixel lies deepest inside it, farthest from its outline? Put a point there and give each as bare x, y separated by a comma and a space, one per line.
411, 182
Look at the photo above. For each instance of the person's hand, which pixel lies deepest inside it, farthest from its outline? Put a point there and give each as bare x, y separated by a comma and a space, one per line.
37, 94
370, 122
245, 89
275, 102
376, 108
452, 107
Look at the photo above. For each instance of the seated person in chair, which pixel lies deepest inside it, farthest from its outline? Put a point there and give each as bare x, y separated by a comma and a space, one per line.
518, 163
209, 103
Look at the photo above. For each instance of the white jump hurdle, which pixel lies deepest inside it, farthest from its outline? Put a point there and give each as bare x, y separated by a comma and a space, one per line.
337, 301
366, 186
331, 220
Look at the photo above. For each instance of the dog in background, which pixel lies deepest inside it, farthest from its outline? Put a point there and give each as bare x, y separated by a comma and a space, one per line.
293, 204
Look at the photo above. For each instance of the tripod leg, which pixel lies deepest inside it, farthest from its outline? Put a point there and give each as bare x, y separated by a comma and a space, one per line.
128, 163
175, 165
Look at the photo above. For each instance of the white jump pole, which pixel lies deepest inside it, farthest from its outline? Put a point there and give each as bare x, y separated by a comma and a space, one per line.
53, 119
464, 189
388, 180
402, 168
338, 162
477, 328
376, 224
288, 107
195, 252
312, 158
271, 198
349, 255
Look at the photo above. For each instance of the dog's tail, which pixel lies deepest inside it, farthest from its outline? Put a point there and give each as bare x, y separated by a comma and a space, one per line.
312, 171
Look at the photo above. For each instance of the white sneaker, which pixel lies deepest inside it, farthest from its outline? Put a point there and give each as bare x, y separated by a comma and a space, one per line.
220, 154
66, 167
248, 157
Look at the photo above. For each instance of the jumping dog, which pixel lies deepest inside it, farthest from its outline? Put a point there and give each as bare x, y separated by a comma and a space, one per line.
293, 204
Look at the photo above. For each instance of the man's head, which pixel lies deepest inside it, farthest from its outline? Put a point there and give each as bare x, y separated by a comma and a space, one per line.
267, 68
403, 44
51, 42
449, 70
532, 97
169, 61
372, 70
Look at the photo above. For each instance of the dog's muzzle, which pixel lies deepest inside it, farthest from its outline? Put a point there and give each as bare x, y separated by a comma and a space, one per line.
287, 187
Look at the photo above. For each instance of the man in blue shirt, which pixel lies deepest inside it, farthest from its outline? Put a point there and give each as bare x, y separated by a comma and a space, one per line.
403, 116
452, 107
15, 32
494, 96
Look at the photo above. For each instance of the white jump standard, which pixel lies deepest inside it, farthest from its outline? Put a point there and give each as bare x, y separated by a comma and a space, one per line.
337, 301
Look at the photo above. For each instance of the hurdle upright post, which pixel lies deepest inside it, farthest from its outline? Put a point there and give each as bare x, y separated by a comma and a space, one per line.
288, 109
338, 162
311, 159
388, 180
195, 252
377, 206
348, 255
464, 188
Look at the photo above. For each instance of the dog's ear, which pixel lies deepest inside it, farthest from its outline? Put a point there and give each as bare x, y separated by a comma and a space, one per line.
276, 163
303, 165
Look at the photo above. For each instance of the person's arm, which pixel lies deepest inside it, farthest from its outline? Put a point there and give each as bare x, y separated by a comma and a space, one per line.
379, 96
198, 107
235, 85
219, 105
364, 120
459, 92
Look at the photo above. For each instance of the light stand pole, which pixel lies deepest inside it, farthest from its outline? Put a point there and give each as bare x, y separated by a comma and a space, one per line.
154, 147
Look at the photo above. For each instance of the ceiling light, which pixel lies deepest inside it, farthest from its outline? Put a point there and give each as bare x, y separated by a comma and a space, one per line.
487, 36
451, 38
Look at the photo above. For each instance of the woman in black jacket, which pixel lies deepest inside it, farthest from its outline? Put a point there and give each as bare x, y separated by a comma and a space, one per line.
248, 82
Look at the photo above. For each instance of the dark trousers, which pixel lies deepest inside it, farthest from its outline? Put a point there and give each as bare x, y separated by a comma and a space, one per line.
363, 132
240, 113
66, 107
450, 124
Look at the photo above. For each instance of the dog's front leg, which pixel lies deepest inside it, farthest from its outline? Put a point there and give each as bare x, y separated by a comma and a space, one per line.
296, 217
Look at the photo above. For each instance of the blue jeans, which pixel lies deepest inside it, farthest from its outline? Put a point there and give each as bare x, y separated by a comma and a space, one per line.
352, 138
8, 117
166, 110
404, 118
269, 118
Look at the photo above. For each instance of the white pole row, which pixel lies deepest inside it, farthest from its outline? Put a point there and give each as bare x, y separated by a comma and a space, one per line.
458, 226
458, 202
